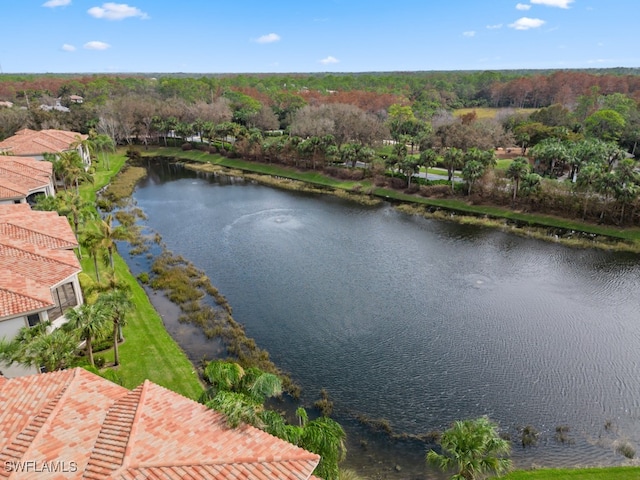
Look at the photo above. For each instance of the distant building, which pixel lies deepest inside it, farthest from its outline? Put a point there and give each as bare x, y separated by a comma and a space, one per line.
6, 104
58, 107
88, 427
76, 99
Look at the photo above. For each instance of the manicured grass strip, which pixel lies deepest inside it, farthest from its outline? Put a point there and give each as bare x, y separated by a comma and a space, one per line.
611, 473
149, 352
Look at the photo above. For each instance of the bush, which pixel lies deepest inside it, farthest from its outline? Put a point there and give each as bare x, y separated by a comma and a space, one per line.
626, 449
143, 278
99, 361
186, 146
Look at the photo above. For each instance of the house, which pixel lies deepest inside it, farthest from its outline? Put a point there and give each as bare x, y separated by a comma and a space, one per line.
6, 104
76, 99
22, 178
38, 272
58, 107
74, 424
34, 143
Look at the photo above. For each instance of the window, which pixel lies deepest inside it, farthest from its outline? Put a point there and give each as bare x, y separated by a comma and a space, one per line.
33, 319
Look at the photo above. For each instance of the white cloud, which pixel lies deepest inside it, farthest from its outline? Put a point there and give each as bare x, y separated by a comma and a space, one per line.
56, 3
329, 60
470, 33
68, 48
522, 6
525, 23
494, 27
269, 38
96, 45
116, 11
553, 3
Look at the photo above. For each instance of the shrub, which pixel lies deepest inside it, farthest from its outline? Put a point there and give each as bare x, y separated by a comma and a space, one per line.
186, 146
626, 449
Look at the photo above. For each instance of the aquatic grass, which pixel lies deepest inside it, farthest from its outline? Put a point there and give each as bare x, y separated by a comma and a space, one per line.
148, 351
189, 287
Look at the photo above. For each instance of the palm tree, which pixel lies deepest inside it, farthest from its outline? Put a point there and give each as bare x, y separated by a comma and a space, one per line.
517, 169
91, 321
325, 437
35, 347
472, 172
104, 144
452, 159
91, 241
428, 158
77, 210
107, 235
73, 169
118, 303
473, 448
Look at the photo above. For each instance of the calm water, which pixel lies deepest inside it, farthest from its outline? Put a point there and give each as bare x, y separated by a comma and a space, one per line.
417, 321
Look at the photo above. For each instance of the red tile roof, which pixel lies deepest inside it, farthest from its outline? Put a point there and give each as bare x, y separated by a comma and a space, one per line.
19, 176
35, 256
110, 432
32, 142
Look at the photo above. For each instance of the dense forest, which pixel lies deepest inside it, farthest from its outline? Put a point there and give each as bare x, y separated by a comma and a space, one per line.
380, 129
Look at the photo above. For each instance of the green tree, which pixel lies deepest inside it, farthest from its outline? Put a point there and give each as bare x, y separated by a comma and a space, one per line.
241, 393
517, 169
587, 181
105, 145
36, 347
106, 237
606, 125
91, 321
452, 159
428, 158
473, 448
118, 304
471, 173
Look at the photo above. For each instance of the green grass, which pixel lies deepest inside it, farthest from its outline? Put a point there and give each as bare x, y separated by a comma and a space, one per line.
148, 352
611, 473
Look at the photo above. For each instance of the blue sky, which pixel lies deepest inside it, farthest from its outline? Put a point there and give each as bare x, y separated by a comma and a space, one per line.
220, 36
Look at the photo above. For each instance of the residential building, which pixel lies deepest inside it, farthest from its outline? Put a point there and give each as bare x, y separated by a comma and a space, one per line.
38, 272
22, 178
35, 143
74, 424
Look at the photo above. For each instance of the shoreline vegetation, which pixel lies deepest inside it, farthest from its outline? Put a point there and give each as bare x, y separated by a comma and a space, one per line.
541, 227
168, 364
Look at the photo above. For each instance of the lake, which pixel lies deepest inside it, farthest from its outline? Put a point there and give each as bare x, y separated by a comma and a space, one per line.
417, 321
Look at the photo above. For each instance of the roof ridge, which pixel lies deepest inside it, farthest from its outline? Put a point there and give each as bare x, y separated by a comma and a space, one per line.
111, 445
142, 394
24, 440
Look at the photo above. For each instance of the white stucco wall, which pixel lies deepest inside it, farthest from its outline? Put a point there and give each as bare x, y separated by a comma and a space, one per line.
8, 330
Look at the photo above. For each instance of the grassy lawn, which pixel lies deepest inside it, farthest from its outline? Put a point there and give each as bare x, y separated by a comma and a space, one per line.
613, 473
148, 351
